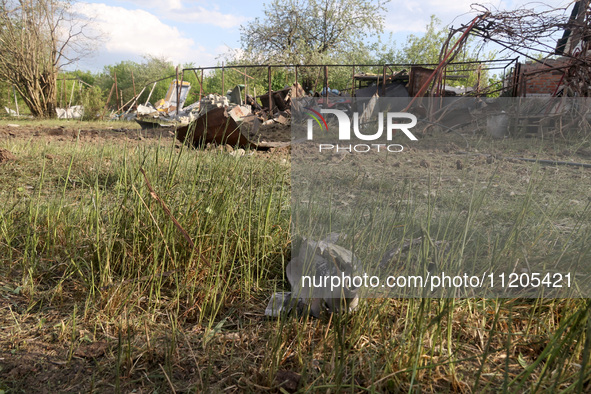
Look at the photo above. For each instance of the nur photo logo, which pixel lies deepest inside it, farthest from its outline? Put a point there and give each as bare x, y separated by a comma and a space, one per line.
395, 121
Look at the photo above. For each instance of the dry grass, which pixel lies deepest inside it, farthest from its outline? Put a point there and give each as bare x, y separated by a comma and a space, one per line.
101, 291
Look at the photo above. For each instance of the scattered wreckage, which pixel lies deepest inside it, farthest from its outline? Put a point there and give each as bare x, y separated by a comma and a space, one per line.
314, 262
564, 74
218, 119
237, 118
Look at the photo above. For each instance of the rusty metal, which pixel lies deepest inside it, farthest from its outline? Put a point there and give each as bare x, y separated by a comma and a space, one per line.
270, 91
349, 64
326, 82
515, 80
213, 127
384, 80
444, 61
133, 82
417, 77
178, 90
200, 83
296, 80
269, 95
109, 98
238, 71
245, 86
353, 82
116, 89
223, 80
218, 127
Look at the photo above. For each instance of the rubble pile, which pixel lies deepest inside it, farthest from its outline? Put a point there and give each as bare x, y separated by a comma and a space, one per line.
245, 119
212, 101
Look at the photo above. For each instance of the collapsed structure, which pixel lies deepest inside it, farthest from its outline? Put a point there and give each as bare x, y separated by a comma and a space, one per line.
565, 72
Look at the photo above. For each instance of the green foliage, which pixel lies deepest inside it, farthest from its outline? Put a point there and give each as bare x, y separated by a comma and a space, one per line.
144, 75
86, 76
7, 100
93, 102
5, 92
428, 48
311, 31
37, 39
425, 48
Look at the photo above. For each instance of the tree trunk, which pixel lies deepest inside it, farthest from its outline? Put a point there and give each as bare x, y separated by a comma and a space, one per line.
33, 49
40, 95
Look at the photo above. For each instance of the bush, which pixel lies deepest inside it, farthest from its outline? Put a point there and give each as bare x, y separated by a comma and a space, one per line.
93, 102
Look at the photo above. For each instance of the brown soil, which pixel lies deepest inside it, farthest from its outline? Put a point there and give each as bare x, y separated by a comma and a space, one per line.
5, 155
272, 133
127, 133
69, 133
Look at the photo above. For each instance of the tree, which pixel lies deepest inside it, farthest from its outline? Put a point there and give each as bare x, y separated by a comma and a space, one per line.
427, 49
37, 38
311, 31
144, 74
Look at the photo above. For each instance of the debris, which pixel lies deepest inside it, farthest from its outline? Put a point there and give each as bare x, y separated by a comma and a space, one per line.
395, 85
279, 99
216, 127
417, 77
238, 153
278, 304
497, 125
10, 112
370, 109
146, 110
296, 90
236, 95
164, 112
239, 112
74, 112
281, 119
250, 125
12, 125
169, 102
315, 261
212, 101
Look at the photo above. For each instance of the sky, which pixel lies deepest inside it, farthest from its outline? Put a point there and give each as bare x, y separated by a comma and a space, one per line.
202, 31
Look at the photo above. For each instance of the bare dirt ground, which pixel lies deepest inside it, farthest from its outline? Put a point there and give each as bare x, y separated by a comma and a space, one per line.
90, 132
127, 133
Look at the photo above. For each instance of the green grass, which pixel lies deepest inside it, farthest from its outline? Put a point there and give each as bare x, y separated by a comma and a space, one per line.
97, 277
